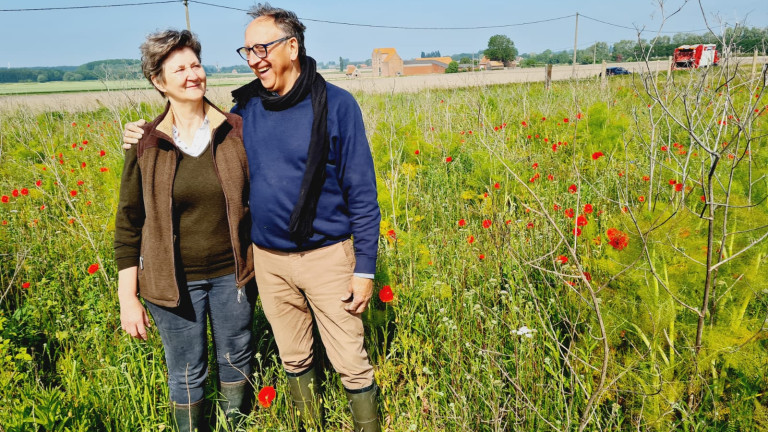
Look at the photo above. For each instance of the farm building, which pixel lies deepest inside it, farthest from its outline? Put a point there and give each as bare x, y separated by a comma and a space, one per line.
427, 65
488, 64
386, 62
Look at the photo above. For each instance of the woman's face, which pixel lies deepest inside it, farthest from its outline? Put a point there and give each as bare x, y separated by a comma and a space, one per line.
183, 77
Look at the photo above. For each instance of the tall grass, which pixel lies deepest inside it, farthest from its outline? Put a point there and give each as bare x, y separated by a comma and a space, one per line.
503, 318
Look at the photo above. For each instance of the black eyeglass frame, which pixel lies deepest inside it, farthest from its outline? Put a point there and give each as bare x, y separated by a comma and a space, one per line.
243, 51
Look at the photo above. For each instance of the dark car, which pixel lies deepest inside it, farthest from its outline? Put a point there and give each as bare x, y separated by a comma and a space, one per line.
616, 71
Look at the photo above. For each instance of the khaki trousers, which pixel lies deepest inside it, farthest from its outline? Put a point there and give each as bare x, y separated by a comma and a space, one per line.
292, 283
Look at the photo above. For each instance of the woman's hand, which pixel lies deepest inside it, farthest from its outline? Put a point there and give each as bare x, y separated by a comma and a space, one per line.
133, 317
133, 133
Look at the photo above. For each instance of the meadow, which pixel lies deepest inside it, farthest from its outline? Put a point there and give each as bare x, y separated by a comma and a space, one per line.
588, 257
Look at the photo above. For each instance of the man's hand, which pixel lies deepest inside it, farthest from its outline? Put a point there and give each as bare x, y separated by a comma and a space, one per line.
134, 318
360, 291
133, 133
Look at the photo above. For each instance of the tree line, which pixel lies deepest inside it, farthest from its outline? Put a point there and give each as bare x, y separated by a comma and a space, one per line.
97, 70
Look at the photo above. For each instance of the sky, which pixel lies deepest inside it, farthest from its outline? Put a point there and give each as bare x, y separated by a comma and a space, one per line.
74, 37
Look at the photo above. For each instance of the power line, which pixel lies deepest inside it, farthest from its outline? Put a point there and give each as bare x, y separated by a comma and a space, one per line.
88, 7
398, 27
640, 30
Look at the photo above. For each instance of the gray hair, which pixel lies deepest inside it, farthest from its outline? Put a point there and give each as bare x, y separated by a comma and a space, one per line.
286, 20
158, 46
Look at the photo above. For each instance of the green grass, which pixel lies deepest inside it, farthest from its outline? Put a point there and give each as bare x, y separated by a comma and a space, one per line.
451, 352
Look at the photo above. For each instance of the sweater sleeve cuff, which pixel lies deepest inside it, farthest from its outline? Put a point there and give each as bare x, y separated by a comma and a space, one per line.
365, 265
127, 262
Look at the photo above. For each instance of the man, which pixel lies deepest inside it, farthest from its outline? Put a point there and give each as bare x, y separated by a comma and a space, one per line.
312, 188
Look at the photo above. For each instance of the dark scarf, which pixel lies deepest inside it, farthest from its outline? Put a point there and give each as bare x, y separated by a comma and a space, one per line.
309, 81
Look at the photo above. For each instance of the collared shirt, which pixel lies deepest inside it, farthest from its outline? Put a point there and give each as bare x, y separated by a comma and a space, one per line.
199, 142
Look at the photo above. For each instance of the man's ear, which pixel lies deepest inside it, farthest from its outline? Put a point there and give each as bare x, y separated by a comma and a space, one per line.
294, 47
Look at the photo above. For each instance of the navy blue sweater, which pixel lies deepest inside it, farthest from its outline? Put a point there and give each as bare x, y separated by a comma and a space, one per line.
276, 143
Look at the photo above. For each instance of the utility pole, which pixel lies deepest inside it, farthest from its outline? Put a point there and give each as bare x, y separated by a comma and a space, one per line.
575, 45
186, 8
594, 54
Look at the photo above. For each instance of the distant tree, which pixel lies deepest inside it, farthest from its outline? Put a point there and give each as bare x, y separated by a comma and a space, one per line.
453, 67
430, 54
341, 64
41, 78
501, 48
465, 60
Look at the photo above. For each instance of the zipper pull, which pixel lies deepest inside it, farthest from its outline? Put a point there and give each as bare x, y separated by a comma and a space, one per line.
240, 294
141, 262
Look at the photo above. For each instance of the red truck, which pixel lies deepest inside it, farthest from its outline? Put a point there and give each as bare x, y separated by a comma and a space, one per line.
695, 56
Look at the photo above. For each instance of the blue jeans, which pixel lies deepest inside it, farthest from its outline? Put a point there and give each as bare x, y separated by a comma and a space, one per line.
183, 330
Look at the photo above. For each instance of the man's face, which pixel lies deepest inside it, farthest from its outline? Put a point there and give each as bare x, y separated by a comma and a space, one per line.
276, 71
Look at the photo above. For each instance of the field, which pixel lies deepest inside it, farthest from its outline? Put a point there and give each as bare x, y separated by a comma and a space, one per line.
589, 257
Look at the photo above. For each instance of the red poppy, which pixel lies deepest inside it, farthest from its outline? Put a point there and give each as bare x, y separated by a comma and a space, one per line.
641, 198
391, 234
588, 276
80, 182
73, 193
563, 259
597, 155
462, 222
530, 225
646, 178
672, 181
565, 120
617, 238
24, 191
679, 187
15, 193
578, 116
664, 148
38, 183
487, 223
85, 142
5, 198
25, 285
496, 186
524, 123
416, 152
581, 220
572, 188
74, 124
588, 208
577, 232
535, 165
550, 177
556, 207
471, 239
5, 222
93, 268
385, 294
82, 165
543, 118
103, 169
102, 153
449, 159
485, 195
470, 132
481, 256
266, 396
569, 212
703, 198
42, 207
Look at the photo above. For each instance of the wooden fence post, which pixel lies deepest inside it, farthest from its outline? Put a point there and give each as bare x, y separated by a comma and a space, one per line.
548, 76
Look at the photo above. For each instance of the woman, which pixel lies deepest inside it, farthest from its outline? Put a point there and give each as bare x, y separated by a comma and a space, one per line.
182, 232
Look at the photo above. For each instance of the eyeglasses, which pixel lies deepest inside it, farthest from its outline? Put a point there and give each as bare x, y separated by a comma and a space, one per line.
259, 49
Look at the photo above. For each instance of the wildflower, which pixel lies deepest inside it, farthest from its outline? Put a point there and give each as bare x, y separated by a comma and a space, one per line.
550, 177
487, 223
82, 165
563, 259
578, 116
266, 396
93, 268
416, 152
577, 231
572, 188
641, 198
496, 185
448, 159
73, 193
587, 276
646, 178
703, 198
42, 207
524, 331
471, 239
565, 120
391, 234
38, 183
581, 221
103, 169
543, 119
588, 208
617, 238
672, 181
524, 124
103, 153
597, 155
679, 187
85, 142
24, 191
385, 294
535, 165
529, 225
569, 212
481, 256
80, 182
25, 285
5, 198
462, 222
556, 207
664, 148
15, 193
5, 222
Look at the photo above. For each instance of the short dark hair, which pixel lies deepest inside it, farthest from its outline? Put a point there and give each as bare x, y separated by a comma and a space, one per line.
158, 46
286, 20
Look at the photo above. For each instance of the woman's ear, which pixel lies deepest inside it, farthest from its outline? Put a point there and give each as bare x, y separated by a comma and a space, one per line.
158, 84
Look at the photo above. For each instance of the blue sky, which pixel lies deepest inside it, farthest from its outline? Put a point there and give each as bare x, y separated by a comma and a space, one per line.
73, 37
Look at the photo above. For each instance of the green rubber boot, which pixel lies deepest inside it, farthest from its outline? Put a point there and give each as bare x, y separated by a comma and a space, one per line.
365, 407
187, 417
306, 400
233, 401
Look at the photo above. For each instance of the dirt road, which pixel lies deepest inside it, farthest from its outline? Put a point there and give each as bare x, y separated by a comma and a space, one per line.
72, 102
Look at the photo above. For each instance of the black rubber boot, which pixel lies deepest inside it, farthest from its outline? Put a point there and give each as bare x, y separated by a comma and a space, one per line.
187, 417
234, 401
305, 394
365, 409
